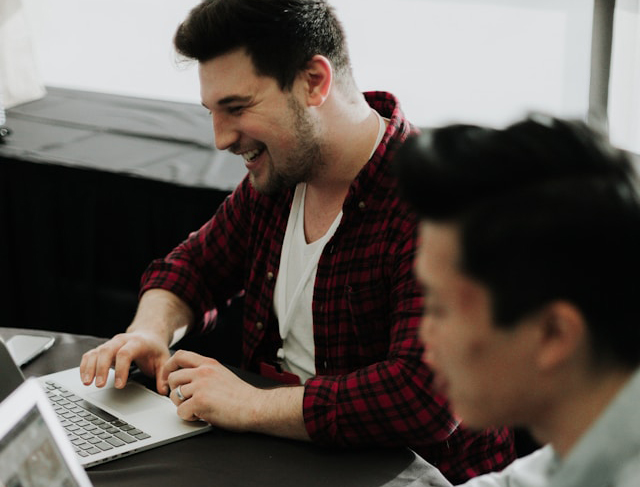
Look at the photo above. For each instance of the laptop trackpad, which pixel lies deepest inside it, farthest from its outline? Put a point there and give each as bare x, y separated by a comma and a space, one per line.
133, 399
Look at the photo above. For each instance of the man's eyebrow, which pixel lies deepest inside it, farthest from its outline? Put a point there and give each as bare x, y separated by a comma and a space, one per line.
227, 100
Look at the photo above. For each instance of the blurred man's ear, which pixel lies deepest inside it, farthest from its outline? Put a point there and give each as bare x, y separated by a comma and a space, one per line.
563, 334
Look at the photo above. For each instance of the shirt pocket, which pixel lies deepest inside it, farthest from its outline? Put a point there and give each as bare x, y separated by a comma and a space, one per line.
370, 320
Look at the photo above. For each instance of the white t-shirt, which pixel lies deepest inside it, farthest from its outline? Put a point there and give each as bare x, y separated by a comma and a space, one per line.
293, 294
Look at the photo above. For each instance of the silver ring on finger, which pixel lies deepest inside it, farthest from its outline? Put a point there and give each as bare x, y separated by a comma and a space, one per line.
179, 393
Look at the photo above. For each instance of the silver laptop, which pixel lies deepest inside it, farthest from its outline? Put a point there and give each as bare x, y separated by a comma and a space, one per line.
34, 448
105, 423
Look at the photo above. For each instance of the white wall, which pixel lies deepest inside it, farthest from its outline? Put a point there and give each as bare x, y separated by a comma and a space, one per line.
113, 46
477, 60
624, 103
484, 61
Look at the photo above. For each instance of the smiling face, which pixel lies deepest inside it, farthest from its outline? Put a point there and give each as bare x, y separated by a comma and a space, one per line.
485, 371
271, 129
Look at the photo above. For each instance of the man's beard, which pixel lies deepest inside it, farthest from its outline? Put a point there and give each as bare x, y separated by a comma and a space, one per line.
303, 161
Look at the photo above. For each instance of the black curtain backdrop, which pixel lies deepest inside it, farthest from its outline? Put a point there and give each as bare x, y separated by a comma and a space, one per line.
92, 188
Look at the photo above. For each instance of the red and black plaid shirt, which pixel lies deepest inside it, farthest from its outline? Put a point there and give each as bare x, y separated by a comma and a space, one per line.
371, 387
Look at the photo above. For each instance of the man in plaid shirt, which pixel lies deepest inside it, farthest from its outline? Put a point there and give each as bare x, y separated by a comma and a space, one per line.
318, 240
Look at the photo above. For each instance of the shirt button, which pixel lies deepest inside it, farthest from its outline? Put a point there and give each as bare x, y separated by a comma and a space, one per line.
361, 205
270, 276
259, 325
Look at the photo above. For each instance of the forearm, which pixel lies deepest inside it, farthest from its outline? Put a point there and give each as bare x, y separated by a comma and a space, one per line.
162, 313
278, 412
212, 392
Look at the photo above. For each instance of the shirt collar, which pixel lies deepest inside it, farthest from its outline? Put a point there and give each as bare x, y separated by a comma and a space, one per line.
373, 178
612, 442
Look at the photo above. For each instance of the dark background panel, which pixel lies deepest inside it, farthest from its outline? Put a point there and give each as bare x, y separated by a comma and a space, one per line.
92, 188
76, 241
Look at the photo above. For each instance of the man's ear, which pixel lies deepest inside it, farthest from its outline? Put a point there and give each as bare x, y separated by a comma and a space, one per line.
563, 334
317, 79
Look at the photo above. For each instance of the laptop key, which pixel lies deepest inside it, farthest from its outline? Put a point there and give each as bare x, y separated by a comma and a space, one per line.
125, 437
114, 441
104, 446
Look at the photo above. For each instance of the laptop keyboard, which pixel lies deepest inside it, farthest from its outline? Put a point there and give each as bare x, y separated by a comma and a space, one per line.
90, 428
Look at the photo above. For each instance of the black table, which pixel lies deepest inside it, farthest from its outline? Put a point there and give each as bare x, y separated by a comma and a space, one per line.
92, 188
222, 458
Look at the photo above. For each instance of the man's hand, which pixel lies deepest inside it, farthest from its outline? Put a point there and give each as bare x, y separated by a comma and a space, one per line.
147, 349
159, 316
216, 395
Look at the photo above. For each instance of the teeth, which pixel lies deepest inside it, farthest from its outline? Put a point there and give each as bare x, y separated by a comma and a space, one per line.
250, 155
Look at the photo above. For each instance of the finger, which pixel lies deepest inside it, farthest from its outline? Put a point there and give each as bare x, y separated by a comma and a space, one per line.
174, 380
186, 410
181, 389
162, 384
123, 360
181, 376
105, 357
104, 360
88, 367
182, 359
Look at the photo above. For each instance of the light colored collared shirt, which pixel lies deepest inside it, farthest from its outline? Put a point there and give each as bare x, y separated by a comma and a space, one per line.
608, 455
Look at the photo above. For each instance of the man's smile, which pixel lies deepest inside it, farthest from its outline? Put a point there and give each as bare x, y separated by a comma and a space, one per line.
252, 155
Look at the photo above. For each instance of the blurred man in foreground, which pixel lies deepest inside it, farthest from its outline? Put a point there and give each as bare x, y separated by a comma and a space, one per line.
529, 258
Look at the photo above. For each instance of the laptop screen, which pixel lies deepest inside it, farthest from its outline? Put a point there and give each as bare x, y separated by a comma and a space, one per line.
29, 456
34, 448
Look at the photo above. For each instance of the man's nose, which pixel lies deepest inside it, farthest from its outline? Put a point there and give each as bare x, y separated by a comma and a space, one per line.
224, 133
426, 329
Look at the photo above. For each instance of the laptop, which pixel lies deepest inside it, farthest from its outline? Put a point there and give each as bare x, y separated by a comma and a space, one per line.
34, 448
105, 423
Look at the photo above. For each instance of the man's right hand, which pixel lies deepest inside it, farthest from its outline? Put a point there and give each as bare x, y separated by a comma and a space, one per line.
159, 316
147, 349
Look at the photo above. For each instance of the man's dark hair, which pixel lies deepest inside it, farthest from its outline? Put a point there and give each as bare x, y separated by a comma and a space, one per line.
547, 210
280, 36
